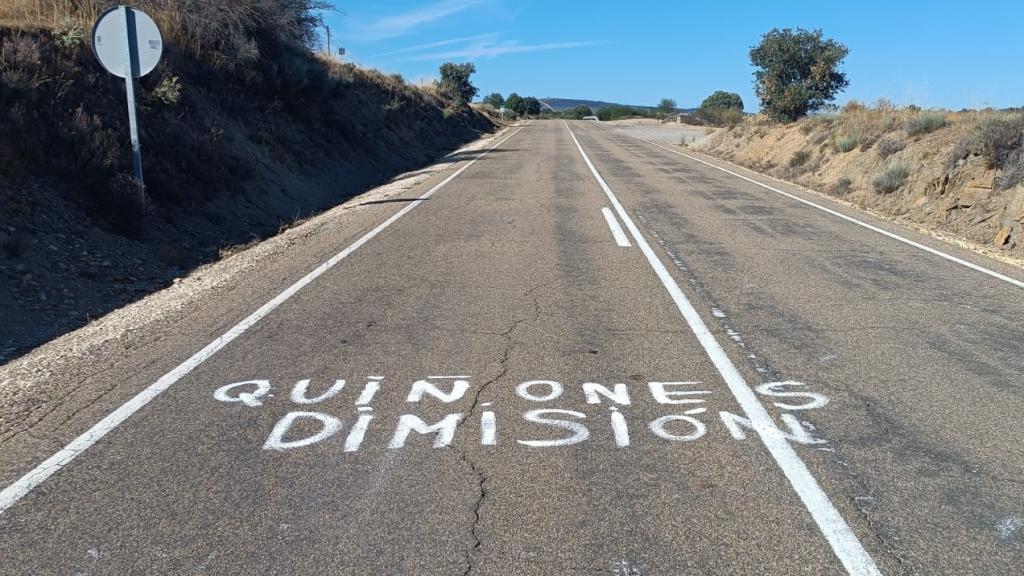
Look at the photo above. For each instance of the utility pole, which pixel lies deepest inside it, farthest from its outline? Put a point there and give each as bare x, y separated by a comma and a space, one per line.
328, 28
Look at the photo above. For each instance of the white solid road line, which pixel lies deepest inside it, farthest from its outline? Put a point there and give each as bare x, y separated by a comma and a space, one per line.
847, 548
10, 495
851, 219
617, 232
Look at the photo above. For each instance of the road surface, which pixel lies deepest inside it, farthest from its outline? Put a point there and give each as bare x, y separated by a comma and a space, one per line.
578, 353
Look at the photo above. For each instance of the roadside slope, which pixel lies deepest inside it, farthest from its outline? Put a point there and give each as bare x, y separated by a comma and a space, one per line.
954, 180
234, 150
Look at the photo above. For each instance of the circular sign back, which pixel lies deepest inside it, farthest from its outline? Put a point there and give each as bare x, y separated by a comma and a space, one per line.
120, 28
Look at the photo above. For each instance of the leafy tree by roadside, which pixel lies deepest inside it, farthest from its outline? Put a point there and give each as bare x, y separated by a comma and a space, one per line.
455, 81
532, 106
722, 99
494, 99
797, 72
578, 112
667, 106
515, 103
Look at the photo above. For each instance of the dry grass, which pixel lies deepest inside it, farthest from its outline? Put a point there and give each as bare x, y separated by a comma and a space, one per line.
918, 177
223, 30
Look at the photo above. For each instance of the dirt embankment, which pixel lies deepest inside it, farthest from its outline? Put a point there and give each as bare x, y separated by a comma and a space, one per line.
957, 173
235, 148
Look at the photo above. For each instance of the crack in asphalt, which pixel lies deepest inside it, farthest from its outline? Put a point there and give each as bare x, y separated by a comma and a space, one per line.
478, 472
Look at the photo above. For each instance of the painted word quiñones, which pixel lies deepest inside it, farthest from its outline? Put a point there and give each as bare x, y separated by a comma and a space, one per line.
301, 428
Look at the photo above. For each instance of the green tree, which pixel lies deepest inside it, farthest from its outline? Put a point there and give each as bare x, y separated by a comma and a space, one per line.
455, 81
798, 72
579, 112
515, 103
495, 100
721, 99
532, 106
618, 112
667, 106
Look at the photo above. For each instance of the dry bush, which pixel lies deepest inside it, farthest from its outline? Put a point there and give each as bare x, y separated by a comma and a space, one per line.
720, 116
924, 122
870, 124
889, 146
998, 136
799, 158
842, 187
891, 177
846, 142
227, 32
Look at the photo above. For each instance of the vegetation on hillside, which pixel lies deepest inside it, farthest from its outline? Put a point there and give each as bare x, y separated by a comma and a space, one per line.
244, 129
958, 171
225, 34
232, 72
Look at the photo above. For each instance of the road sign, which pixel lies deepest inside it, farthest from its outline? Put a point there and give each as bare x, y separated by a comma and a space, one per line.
115, 44
128, 45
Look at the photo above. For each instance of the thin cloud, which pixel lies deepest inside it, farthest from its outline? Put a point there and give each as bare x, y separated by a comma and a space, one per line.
420, 47
490, 50
407, 22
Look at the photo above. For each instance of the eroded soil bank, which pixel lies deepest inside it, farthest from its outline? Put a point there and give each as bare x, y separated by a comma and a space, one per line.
933, 169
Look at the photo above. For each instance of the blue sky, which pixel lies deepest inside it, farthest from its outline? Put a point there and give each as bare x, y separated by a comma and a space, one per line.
933, 54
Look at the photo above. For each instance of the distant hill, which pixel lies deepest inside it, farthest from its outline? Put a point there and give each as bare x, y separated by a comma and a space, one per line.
560, 104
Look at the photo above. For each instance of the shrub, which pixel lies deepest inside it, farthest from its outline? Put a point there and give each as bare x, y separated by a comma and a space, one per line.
616, 112
578, 112
924, 122
846, 143
891, 178
799, 158
842, 186
68, 35
720, 116
168, 90
819, 138
889, 146
997, 137
667, 106
797, 72
1013, 170
19, 53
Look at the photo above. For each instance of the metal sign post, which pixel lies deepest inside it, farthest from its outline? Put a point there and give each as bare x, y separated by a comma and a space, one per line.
128, 44
131, 65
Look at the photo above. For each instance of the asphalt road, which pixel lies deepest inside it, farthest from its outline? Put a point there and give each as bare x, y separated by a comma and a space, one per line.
582, 353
